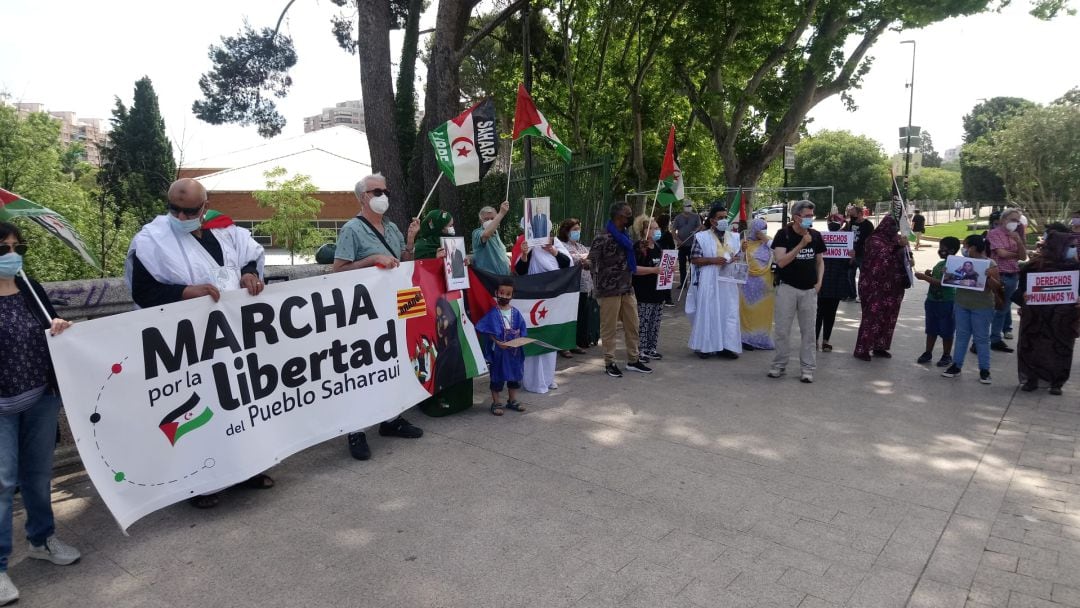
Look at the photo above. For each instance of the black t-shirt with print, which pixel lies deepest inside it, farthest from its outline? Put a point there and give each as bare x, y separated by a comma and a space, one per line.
801, 273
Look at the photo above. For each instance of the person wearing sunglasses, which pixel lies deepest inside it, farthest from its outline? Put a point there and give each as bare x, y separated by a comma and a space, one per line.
29, 405
176, 257
368, 240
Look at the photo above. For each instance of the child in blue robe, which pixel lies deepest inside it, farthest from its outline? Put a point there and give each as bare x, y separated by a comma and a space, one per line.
507, 363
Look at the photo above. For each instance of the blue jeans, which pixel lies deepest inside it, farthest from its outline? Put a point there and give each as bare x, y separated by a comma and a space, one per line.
972, 324
27, 441
1003, 318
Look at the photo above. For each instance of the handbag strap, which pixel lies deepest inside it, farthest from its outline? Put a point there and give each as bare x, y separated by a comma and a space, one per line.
382, 239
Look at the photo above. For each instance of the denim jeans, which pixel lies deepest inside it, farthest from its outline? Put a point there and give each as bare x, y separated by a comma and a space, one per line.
972, 324
27, 440
1003, 318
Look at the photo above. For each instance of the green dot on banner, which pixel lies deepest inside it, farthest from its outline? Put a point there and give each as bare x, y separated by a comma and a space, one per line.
119, 476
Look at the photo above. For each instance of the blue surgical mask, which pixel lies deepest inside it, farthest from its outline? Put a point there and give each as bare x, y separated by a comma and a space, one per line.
807, 222
184, 226
722, 225
575, 235
656, 235
964, 251
449, 231
10, 265
1070, 253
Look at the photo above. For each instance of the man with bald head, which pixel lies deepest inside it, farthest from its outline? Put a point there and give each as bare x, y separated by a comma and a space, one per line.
178, 256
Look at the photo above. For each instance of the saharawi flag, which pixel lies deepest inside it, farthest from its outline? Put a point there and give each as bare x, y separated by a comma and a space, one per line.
671, 181
12, 206
466, 146
547, 300
529, 121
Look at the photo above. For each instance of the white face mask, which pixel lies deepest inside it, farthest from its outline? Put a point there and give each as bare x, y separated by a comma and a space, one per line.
379, 204
487, 224
449, 231
1011, 226
184, 226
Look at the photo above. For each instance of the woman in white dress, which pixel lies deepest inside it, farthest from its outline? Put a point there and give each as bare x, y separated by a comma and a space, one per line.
712, 302
540, 369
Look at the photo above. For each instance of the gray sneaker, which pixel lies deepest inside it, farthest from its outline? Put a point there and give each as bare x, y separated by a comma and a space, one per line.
776, 372
8, 592
55, 551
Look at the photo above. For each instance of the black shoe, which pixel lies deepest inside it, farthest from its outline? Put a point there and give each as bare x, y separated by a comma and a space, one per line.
884, 354
727, 354
1000, 346
1055, 390
747, 347
925, 357
358, 447
984, 376
640, 367
399, 427
1029, 386
643, 358
952, 372
704, 355
613, 370
655, 356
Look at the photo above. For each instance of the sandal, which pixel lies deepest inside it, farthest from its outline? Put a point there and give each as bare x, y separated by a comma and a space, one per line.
515, 405
826, 347
262, 481
566, 354
496, 409
206, 501
579, 351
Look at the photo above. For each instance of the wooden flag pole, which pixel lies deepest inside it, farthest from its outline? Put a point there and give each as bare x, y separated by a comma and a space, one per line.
655, 196
509, 166
420, 214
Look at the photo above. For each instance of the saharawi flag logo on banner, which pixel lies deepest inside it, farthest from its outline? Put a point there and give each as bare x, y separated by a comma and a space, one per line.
466, 146
547, 300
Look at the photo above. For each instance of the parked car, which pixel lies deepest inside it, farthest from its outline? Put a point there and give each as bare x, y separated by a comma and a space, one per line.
774, 213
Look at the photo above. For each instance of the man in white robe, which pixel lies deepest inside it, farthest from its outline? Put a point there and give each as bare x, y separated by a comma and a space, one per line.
712, 302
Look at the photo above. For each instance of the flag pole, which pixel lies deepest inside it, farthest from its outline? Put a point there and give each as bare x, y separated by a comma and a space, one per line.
655, 196
420, 213
509, 166
30, 287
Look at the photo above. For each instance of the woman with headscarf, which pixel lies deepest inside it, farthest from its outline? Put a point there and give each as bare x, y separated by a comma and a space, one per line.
712, 302
881, 289
453, 393
540, 369
1048, 332
835, 287
757, 296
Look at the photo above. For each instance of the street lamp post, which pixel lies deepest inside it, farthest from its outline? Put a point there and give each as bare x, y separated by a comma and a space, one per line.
911, 105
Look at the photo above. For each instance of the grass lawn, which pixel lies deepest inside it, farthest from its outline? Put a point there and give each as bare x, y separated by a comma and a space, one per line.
959, 229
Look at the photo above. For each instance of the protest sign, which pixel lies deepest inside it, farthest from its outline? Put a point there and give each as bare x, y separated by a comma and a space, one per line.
965, 273
169, 402
454, 262
538, 221
666, 278
838, 244
1046, 288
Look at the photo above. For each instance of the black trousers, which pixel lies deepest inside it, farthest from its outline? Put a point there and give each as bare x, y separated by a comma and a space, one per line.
684, 258
826, 317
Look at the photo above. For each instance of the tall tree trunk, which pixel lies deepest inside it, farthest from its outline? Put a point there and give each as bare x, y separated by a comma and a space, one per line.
637, 153
405, 101
376, 86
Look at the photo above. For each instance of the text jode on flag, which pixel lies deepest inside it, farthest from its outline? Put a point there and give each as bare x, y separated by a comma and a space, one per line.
169, 402
547, 300
467, 146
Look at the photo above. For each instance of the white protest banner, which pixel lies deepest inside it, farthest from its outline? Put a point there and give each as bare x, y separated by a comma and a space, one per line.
838, 244
1046, 288
666, 278
169, 402
454, 262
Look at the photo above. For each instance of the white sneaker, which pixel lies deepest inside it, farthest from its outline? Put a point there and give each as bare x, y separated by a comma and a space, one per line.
553, 386
55, 551
8, 592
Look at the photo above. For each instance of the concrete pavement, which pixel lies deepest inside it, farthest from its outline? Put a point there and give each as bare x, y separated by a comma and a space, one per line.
704, 484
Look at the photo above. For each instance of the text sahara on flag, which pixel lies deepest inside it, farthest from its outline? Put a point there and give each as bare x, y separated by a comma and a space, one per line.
466, 146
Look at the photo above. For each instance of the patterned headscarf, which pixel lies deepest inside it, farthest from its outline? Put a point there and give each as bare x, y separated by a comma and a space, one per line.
757, 226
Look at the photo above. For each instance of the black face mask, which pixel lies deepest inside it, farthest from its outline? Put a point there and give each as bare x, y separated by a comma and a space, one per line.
502, 301
943, 254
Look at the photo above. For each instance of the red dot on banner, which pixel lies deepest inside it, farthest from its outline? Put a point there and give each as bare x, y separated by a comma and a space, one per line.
117, 368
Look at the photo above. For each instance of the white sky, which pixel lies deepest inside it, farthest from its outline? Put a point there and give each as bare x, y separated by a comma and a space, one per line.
77, 55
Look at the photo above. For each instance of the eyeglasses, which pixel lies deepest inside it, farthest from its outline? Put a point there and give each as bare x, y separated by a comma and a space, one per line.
379, 191
19, 248
188, 211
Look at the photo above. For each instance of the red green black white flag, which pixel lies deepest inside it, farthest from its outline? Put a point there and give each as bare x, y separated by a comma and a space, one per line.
529, 121
14, 206
466, 146
671, 179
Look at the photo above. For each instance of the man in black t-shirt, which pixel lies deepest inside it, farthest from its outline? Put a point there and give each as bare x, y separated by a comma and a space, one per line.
798, 251
918, 226
862, 228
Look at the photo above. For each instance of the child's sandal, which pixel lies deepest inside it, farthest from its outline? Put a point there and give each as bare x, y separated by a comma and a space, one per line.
515, 405
496, 409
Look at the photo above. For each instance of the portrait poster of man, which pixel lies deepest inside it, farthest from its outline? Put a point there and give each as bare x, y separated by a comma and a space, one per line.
965, 273
538, 221
454, 262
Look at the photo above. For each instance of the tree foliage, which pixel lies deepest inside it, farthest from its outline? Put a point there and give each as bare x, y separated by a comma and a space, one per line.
930, 157
854, 165
294, 209
934, 184
980, 183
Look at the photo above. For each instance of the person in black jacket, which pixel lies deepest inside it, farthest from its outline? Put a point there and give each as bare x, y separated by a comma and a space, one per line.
29, 405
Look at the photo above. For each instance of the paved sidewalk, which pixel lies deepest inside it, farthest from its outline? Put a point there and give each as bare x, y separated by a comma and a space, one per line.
705, 484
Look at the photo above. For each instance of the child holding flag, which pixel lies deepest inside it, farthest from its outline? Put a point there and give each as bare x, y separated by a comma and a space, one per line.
507, 363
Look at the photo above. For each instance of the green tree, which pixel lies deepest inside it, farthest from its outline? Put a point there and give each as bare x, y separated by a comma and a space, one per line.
932, 184
854, 165
930, 158
295, 209
1037, 155
137, 162
981, 183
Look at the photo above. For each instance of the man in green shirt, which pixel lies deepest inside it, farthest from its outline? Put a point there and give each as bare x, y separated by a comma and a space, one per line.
940, 318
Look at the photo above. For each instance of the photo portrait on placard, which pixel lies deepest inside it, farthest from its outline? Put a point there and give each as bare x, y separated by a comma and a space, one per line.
537, 221
965, 273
